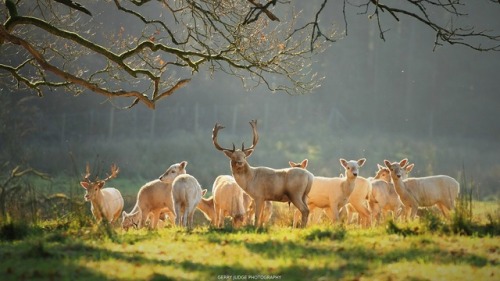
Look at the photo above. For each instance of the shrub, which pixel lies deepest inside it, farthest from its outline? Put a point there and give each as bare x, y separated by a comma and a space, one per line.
12, 230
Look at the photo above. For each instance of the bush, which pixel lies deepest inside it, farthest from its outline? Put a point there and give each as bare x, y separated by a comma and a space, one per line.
13, 230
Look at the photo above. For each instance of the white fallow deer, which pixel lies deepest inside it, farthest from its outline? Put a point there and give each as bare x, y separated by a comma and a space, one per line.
439, 190
267, 184
187, 194
384, 197
106, 202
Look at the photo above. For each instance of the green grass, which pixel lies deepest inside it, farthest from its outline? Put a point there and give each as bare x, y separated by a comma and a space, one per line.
319, 252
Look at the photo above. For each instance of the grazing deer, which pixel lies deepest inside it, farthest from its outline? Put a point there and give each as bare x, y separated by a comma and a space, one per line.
267, 184
105, 203
154, 198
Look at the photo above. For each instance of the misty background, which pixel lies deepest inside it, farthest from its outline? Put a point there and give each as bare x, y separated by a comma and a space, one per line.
379, 100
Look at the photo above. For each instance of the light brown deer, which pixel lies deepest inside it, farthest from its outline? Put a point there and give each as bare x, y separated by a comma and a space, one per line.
154, 198
106, 202
267, 184
333, 193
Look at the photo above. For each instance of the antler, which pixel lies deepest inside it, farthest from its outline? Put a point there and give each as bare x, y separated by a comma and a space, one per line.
87, 173
253, 123
215, 131
114, 172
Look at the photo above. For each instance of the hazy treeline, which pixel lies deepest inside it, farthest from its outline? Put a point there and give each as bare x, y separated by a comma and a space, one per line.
379, 100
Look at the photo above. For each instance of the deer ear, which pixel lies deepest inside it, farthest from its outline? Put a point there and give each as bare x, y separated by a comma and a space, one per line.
100, 184
304, 163
292, 164
228, 153
343, 162
387, 163
403, 162
380, 167
184, 164
361, 161
248, 152
84, 184
409, 167
203, 192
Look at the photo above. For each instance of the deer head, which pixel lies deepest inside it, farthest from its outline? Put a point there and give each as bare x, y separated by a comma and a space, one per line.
352, 167
302, 164
93, 187
173, 171
237, 156
396, 168
383, 173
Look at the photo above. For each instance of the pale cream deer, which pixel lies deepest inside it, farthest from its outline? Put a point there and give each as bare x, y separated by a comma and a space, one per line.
106, 202
439, 190
264, 183
384, 198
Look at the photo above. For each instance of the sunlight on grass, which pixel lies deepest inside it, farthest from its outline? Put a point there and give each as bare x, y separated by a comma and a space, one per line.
61, 250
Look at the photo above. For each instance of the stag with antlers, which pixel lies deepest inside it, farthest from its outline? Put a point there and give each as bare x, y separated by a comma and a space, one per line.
106, 202
267, 184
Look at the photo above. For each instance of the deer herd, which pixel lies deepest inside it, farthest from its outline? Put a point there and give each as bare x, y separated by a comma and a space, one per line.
246, 195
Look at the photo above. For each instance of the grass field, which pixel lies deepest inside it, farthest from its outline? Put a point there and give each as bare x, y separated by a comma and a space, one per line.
426, 249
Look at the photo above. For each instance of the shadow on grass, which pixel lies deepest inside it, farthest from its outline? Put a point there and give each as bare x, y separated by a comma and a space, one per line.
58, 257
354, 261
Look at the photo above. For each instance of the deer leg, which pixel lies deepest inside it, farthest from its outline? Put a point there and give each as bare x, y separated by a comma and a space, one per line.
143, 218
296, 215
304, 210
444, 210
153, 219
364, 213
171, 217
259, 205
191, 216
218, 215
179, 214
327, 211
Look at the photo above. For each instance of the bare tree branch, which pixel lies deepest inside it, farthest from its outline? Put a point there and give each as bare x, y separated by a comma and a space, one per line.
152, 55
419, 10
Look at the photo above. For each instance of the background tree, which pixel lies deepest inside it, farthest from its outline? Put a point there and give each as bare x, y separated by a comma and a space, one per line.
147, 49
52, 44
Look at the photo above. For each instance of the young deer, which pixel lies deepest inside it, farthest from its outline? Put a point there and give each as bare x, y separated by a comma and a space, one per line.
105, 203
267, 184
154, 198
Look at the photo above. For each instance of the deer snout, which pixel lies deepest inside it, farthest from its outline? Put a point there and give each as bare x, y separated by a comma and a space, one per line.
399, 176
355, 174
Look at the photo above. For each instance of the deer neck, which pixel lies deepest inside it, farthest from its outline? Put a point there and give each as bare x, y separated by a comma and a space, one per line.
400, 187
242, 174
348, 185
207, 208
98, 199
98, 202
